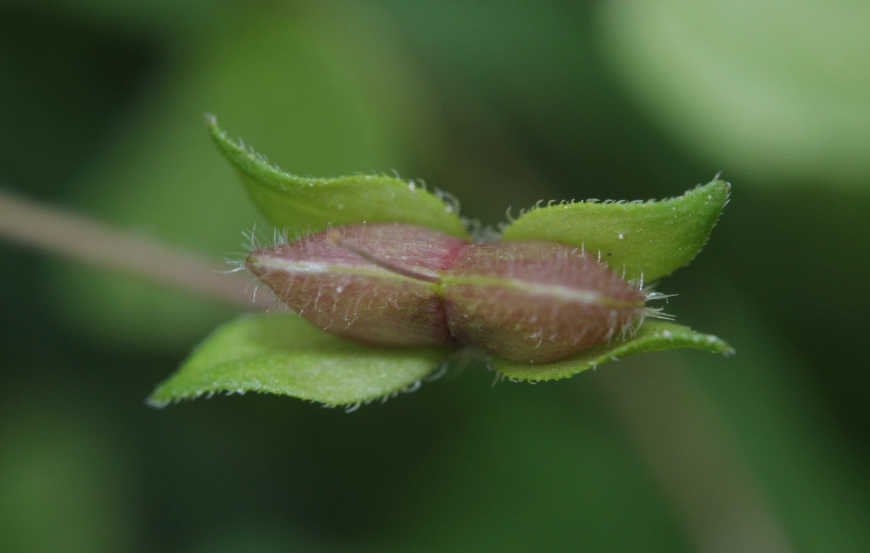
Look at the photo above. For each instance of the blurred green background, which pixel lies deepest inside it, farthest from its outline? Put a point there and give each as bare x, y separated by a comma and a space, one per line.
501, 104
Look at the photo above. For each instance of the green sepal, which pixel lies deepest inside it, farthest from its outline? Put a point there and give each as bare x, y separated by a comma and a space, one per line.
651, 336
649, 239
302, 204
284, 354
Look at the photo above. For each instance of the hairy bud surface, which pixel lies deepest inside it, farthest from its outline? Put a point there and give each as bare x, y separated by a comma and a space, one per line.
397, 284
535, 301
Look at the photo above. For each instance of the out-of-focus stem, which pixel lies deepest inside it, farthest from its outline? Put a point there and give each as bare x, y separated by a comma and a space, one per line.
80, 239
694, 458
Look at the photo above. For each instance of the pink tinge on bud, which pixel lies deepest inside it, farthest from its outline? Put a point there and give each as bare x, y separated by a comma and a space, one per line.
404, 285
536, 302
339, 291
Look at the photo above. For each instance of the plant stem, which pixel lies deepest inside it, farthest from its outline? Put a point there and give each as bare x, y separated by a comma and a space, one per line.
81, 239
695, 458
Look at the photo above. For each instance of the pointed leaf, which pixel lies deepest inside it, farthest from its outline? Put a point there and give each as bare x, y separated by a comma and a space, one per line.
650, 238
283, 354
651, 336
309, 204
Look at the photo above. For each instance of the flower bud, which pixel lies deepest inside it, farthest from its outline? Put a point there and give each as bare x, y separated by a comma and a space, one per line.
339, 291
405, 285
536, 302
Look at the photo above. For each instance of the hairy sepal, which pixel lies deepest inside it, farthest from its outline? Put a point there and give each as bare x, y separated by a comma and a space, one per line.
639, 240
536, 302
340, 292
303, 204
280, 353
651, 336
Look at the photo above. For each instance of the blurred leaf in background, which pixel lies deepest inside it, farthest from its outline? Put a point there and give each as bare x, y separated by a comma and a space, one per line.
62, 477
774, 90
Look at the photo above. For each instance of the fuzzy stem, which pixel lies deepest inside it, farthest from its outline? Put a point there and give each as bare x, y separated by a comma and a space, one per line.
75, 237
695, 458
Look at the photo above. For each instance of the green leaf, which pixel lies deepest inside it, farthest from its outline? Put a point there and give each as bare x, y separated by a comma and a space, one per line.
283, 354
651, 238
309, 204
651, 336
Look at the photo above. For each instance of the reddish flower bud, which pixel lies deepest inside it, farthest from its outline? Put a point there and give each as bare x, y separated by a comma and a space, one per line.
536, 302
402, 285
339, 291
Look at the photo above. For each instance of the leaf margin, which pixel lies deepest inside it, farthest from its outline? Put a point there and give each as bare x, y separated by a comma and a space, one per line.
650, 337
624, 229
250, 338
272, 189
